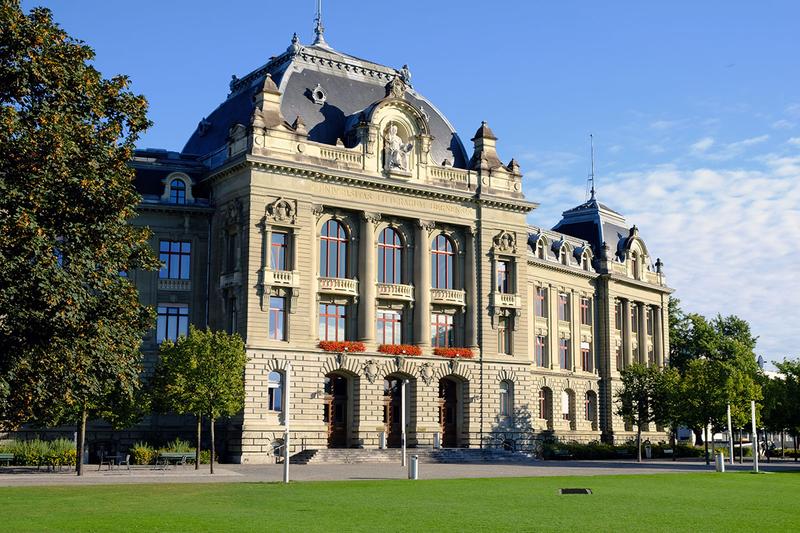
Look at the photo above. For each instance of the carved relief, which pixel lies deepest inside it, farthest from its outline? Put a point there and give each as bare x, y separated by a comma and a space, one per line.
396, 88
426, 373
395, 151
371, 370
282, 210
505, 242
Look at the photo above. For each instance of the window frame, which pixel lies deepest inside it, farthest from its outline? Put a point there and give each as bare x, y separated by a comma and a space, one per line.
338, 244
448, 334
441, 256
282, 250
506, 392
340, 321
390, 253
277, 319
564, 355
540, 302
178, 195
563, 307
586, 311
177, 313
275, 390
389, 326
540, 351
168, 255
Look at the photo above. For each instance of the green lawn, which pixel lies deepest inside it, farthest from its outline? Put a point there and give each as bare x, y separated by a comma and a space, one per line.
666, 502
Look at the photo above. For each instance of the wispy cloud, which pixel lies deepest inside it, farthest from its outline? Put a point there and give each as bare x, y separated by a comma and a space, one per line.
702, 145
725, 152
783, 124
794, 141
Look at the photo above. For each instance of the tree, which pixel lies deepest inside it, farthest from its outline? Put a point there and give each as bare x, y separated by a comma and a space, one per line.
643, 389
70, 324
203, 374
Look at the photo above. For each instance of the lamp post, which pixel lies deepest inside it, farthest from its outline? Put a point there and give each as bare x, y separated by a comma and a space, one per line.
403, 421
286, 396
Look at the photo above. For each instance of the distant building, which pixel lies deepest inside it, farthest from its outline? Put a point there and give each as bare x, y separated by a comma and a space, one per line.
325, 199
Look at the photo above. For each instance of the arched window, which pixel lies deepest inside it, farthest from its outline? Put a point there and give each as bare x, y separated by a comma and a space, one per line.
635, 265
506, 398
442, 263
568, 407
177, 192
275, 391
333, 250
390, 257
540, 249
591, 408
546, 406
585, 261
563, 256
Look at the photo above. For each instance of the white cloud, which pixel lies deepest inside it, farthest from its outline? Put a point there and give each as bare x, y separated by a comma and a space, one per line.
702, 145
664, 124
793, 110
794, 141
783, 124
725, 152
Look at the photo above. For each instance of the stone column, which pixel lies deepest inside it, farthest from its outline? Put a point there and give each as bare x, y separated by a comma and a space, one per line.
658, 334
642, 310
470, 286
627, 345
553, 354
422, 284
368, 276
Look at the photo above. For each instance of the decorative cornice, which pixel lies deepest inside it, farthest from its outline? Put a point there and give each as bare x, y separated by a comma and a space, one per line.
552, 265
176, 209
638, 283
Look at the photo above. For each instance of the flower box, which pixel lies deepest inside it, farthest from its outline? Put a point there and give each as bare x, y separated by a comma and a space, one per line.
465, 353
342, 346
400, 349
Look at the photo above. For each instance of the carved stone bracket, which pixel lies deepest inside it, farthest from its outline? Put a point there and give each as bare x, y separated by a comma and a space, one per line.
371, 369
426, 372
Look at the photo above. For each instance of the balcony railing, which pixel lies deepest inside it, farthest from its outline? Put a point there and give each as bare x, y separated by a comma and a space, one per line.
448, 297
230, 279
282, 278
174, 285
341, 286
504, 299
395, 291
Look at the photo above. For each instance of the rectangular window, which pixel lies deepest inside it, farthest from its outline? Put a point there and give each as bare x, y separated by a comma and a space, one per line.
541, 350
278, 250
332, 322
586, 357
634, 318
277, 318
618, 316
650, 320
442, 332
389, 326
503, 277
563, 307
541, 302
586, 311
175, 259
173, 322
564, 356
503, 336
275, 391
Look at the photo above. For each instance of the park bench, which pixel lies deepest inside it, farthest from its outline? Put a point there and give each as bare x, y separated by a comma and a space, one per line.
165, 459
6, 458
562, 454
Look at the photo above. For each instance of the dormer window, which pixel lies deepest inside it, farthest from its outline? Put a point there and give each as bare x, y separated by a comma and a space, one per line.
177, 192
635, 265
540, 249
563, 257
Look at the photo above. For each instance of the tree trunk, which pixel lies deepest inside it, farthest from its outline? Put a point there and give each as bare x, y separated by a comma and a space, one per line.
213, 450
81, 443
795, 448
783, 445
197, 448
638, 443
705, 438
698, 436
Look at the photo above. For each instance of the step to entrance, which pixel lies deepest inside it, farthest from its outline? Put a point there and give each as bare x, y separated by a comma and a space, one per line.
392, 455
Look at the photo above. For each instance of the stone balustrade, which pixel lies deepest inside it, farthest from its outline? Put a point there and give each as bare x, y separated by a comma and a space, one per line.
502, 299
282, 278
340, 286
174, 285
448, 297
395, 291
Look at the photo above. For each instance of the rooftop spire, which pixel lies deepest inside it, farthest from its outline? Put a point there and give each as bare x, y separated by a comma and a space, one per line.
591, 173
319, 28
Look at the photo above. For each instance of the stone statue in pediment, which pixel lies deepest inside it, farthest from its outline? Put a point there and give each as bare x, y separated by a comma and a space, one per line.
395, 150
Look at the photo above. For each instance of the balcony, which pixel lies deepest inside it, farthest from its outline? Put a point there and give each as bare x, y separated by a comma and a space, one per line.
281, 278
448, 297
229, 280
395, 291
339, 286
505, 299
174, 285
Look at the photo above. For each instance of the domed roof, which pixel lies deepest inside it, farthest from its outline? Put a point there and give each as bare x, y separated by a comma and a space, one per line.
328, 90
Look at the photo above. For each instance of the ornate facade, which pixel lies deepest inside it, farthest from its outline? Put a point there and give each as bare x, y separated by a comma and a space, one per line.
327, 200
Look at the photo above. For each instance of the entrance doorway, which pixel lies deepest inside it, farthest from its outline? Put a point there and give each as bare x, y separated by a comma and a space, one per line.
448, 412
335, 414
392, 404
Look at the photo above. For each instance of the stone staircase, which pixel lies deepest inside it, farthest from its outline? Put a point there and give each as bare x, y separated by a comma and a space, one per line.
426, 455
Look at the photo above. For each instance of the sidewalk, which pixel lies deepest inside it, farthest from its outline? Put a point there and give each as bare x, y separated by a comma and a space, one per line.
227, 473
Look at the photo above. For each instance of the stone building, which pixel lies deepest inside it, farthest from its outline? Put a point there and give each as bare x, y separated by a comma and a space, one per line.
325, 199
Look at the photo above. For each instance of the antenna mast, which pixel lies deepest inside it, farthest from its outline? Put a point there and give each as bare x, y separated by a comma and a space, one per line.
319, 28
591, 174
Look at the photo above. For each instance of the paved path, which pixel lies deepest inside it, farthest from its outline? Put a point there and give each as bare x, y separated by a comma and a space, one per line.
15, 477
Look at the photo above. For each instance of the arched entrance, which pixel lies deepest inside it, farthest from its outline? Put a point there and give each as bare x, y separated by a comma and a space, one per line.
449, 412
392, 405
335, 414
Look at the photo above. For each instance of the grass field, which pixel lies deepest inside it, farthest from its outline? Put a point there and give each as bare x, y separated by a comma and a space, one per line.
666, 502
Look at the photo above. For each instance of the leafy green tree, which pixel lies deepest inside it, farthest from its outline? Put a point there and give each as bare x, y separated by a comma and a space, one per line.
644, 398
70, 324
202, 374
786, 397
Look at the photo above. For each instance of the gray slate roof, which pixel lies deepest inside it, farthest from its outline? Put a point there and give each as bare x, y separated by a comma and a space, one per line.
596, 223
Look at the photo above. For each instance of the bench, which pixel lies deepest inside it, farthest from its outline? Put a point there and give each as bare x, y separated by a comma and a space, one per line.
562, 454
6, 458
165, 459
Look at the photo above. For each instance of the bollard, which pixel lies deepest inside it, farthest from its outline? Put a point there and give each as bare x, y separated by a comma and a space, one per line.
437, 440
382, 440
720, 462
413, 467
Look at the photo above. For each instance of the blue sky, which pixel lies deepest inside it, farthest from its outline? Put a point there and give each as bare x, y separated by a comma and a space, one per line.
695, 109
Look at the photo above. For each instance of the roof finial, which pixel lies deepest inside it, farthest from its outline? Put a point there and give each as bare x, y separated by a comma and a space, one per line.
319, 28
591, 173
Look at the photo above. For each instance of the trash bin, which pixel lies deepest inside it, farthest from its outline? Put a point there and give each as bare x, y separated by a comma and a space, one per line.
720, 461
648, 451
413, 467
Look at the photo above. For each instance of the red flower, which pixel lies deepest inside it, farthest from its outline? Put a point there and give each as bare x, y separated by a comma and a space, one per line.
400, 349
342, 346
466, 353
